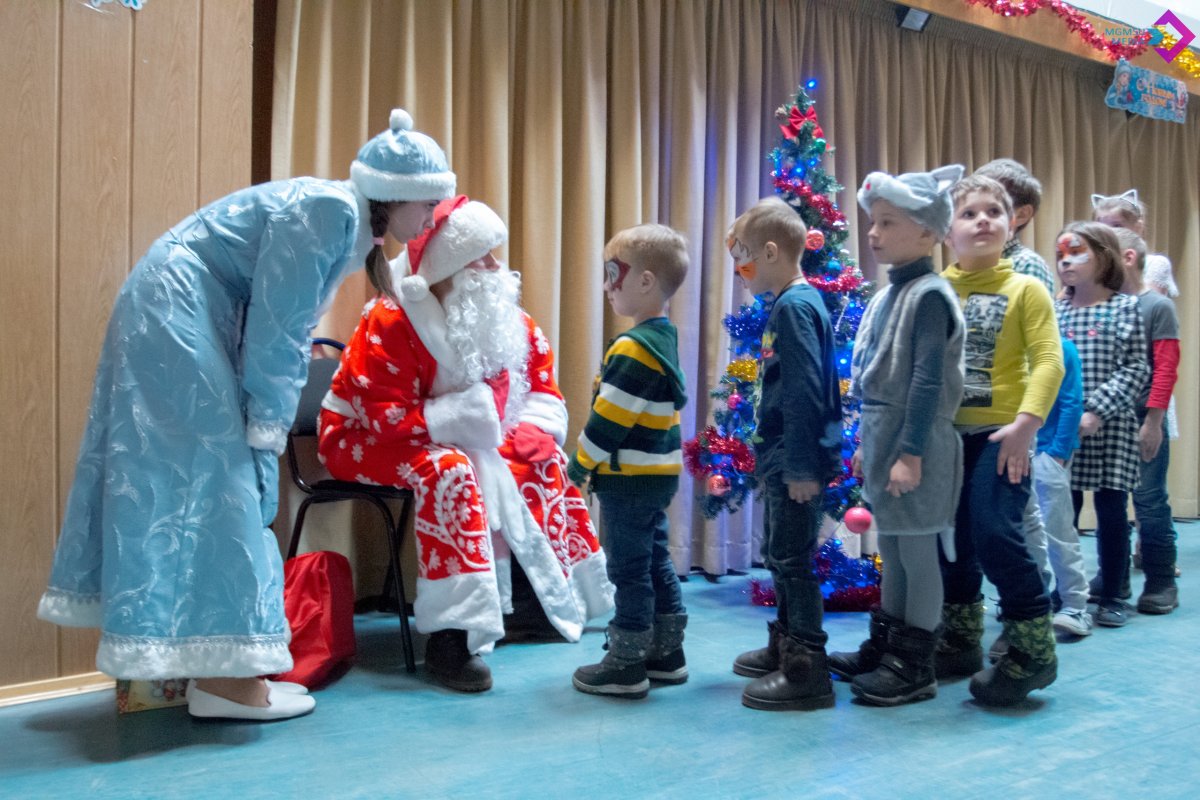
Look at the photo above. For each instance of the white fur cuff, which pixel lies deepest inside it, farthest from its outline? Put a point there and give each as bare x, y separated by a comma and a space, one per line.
548, 413
465, 419
265, 436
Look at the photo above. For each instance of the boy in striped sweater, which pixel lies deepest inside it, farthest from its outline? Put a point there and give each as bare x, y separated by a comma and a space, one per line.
630, 448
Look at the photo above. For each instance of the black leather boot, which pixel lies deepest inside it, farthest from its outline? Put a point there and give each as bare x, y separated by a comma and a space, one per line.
848, 664
1161, 593
801, 683
905, 671
764, 660
450, 664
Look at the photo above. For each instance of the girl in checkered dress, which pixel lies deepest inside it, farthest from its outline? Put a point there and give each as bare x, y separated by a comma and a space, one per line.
1106, 328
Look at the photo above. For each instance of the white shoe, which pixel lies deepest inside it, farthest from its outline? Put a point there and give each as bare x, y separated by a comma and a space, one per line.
280, 705
287, 687
1075, 623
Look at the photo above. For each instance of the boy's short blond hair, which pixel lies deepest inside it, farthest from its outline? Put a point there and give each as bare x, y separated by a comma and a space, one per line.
984, 185
656, 248
772, 220
1131, 241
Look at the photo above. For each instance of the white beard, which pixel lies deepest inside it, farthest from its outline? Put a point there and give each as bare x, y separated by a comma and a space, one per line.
485, 327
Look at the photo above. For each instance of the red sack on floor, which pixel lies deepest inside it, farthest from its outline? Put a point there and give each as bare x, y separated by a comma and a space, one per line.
318, 597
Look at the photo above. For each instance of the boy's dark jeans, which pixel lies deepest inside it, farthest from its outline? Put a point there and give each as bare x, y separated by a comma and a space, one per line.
639, 564
789, 543
1152, 509
989, 536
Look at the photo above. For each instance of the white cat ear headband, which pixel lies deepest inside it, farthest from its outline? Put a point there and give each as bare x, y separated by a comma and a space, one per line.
1128, 196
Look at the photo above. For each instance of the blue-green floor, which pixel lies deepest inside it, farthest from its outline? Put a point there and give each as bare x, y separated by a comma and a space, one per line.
1120, 722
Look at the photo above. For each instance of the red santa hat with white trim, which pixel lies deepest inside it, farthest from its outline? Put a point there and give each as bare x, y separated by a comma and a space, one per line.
463, 230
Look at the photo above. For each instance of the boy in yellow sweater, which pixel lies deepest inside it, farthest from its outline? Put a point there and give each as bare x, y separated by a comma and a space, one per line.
1013, 370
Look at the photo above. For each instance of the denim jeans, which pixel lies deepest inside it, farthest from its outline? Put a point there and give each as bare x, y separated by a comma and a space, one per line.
989, 537
1112, 537
639, 564
1052, 482
789, 544
1152, 509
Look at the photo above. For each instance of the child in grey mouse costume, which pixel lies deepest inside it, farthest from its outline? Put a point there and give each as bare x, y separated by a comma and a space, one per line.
907, 369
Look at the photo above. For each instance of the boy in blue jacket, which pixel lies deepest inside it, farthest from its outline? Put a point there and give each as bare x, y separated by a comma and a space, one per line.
1056, 443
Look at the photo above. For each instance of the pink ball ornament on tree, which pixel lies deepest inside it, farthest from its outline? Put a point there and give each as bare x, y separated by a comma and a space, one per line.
857, 519
734, 401
718, 485
815, 240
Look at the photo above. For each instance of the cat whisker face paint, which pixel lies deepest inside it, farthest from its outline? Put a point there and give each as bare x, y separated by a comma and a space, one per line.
743, 264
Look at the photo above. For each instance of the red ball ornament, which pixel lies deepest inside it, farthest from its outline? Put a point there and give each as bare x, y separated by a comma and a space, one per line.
718, 485
734, 401
815, 240
857, 519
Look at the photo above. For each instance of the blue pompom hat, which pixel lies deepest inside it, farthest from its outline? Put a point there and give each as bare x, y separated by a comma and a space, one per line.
402, 164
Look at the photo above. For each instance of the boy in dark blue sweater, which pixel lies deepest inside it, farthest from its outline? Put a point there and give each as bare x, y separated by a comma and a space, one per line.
798, 452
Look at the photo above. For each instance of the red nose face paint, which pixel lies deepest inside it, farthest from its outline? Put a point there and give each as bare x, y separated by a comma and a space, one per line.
615, 271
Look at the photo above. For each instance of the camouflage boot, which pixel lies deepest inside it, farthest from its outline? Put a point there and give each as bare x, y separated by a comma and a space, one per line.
959, 653
1029, 664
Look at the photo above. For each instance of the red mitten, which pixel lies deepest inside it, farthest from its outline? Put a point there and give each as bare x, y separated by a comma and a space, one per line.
499, 386
532, 443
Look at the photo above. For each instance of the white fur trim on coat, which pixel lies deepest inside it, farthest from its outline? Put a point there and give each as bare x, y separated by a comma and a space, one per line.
466, 419
264, 436
548, 413
467, 601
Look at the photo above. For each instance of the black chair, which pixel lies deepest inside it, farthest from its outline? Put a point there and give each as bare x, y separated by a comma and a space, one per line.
320, 375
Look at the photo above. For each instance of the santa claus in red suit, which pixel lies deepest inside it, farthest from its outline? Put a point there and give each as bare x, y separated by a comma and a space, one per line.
448, 389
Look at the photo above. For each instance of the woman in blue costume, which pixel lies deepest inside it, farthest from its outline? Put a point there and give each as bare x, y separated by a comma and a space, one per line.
165, 545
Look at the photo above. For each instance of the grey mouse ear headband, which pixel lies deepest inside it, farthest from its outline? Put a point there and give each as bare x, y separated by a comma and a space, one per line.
1129, 196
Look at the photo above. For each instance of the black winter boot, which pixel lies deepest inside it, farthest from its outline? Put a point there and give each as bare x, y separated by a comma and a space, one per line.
664, 660
1096, 588
848, 664
622, 671
764, 660
905, 672
959, 652
450, 664
801, 683
1029, 664
1161, 593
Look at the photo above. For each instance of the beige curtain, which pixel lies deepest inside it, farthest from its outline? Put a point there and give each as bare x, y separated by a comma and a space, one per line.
576, 118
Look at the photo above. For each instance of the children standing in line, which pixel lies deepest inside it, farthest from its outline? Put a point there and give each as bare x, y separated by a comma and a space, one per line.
1057, 552
798, 451
630, 448
908, 371
1026, 193
1107, 329
1013, 371
1151, 504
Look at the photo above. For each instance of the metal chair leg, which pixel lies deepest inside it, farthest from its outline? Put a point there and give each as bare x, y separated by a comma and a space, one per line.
406, 643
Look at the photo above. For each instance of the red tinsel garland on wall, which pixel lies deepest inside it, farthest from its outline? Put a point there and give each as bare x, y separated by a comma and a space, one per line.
1076, 23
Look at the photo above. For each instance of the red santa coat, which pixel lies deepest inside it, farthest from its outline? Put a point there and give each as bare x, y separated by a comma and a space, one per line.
398, 414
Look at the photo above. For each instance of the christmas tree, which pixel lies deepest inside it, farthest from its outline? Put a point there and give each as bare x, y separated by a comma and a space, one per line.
721, 456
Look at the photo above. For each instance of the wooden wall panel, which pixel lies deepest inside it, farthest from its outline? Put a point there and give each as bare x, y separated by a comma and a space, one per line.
117, 124
93, 236
28, 161
226, 84
166, 105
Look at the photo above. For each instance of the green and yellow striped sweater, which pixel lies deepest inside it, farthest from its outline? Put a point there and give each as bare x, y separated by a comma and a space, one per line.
631, 443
